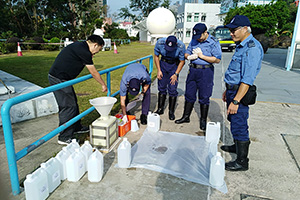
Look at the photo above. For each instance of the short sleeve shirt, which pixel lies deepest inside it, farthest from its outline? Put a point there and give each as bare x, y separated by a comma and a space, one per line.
136, 70
245, 63
159, 49
71, 61
210, 47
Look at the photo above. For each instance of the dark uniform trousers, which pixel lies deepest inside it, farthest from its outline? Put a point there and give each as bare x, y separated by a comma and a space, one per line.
200, 79
146, 100
238, 121
68, 107
164, 84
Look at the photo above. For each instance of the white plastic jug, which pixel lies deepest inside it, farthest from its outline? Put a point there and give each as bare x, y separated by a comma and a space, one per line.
62, 156
124, 154
75, 166
52, 167
213, 132
95, 166
213, 148
153, 122
217, 170
87, 150
72, 146
36, 185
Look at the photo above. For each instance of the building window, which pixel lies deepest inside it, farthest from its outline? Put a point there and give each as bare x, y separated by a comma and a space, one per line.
188, 33
203, 18
196, 17
189, 18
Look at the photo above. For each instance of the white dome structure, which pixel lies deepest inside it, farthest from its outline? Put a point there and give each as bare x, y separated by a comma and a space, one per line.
160, 22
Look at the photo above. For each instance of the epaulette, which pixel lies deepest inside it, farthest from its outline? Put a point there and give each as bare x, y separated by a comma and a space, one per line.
251, 44
214, 39
180, 45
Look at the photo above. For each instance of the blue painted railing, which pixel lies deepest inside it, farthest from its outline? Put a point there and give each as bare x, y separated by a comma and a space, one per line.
12, 156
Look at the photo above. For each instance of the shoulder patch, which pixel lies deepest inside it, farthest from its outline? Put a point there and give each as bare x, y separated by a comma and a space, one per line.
251, 44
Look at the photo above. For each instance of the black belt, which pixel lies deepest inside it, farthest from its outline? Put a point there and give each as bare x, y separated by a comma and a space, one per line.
232, 87
168, 61
200, 66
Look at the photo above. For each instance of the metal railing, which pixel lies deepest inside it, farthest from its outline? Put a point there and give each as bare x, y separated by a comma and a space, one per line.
12, 156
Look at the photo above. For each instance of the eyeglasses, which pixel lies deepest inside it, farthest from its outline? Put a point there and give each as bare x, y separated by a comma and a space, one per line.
233, 30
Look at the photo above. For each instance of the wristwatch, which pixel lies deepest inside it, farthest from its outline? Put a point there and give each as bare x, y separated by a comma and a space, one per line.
235, 102
176, 74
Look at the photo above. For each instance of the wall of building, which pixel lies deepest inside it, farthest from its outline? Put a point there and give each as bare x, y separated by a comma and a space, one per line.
190, 14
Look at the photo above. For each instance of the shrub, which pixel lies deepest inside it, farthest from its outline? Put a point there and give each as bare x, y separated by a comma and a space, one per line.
53, 47
3, 48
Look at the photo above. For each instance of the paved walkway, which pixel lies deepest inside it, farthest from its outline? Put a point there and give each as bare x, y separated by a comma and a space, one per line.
274, 131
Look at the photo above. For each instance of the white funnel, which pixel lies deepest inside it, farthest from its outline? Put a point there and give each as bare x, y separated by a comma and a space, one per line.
103, 105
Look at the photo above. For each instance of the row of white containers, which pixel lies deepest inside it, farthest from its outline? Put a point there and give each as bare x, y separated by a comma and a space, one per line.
70, 163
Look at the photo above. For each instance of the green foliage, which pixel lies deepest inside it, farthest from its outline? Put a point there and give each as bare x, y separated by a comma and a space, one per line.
142, 6
269, 19
55, 18
52, 47
118, 34
3, 49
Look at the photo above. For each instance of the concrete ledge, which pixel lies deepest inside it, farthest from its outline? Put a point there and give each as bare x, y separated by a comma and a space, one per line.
37, 107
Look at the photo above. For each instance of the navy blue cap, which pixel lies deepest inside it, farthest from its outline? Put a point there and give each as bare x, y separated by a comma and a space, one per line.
237, 21
171, 43
198, 30
134, 86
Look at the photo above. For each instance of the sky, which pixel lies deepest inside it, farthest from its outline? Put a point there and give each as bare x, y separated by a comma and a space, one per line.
114, 5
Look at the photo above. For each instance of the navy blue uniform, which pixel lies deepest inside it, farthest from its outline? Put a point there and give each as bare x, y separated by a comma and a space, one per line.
138, 71
201, 78
243, 68
168, 65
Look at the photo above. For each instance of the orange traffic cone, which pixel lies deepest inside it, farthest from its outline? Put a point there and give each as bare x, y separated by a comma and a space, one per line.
19, 50
115, 48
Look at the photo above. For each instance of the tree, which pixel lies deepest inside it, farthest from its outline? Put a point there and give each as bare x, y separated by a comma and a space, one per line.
144, 7
269, 19
125, 14
50, 18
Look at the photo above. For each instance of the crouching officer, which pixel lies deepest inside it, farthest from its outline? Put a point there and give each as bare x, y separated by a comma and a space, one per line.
203, 51
241, 73
168, 68
136, 76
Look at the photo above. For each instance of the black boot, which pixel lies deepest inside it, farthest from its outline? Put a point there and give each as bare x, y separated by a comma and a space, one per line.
241, 162
203, 118
161, 103
230, 149
172, 102
143, 119
188, 107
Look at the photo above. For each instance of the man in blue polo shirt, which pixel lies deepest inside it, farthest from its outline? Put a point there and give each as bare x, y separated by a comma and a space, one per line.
203, 51
168, 68
241, 73
136, 76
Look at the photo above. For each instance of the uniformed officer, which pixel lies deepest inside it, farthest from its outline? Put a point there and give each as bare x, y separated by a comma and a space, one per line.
241, 73
136, 76
168, 68
203, 51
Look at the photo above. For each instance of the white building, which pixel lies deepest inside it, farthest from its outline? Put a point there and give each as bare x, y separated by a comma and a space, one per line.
129, 29
190, 14
254, 2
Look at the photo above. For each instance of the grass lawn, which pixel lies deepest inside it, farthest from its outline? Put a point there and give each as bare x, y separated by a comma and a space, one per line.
33, 66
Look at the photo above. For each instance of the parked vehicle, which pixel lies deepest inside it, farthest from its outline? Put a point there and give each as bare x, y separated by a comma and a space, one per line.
223, 35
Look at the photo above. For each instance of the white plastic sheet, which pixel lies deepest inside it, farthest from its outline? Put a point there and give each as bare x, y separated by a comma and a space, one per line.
181, 155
